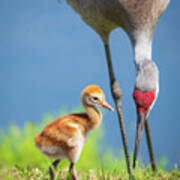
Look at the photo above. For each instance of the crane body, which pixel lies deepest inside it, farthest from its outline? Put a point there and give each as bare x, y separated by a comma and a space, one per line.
138, 19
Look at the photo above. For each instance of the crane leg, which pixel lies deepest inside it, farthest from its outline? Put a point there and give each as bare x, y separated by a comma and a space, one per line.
150, 148
117, 95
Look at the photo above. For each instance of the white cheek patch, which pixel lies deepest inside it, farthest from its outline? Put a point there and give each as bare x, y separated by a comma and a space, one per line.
88, 101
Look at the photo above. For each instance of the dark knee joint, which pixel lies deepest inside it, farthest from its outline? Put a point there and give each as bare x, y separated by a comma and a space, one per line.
116, 91
55, 163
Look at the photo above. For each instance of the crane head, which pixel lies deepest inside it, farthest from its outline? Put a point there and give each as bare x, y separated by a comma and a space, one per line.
144, 95
144, 101
146, 87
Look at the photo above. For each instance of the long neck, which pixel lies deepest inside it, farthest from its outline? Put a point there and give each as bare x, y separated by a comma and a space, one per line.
142, 45
94, 115
147, 71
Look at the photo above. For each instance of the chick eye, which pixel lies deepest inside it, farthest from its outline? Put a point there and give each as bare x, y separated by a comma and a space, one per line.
95, 98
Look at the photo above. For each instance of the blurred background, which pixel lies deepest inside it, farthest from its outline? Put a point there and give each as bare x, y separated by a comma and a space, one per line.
48, 55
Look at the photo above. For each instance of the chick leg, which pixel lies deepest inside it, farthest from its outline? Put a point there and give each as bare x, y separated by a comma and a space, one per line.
53, 166
72, 170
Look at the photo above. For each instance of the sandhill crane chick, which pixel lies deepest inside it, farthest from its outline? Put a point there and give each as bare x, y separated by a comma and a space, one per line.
65, 137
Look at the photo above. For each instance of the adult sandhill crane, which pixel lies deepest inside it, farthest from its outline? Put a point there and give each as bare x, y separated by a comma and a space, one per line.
138, 19
65, 137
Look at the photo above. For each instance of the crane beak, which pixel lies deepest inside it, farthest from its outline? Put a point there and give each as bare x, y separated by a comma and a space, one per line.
140, 125
106, 105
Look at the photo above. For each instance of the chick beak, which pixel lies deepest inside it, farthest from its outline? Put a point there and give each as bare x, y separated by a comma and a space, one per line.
106, 105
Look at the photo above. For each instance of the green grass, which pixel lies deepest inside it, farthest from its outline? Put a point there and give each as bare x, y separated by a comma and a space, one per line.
19, 158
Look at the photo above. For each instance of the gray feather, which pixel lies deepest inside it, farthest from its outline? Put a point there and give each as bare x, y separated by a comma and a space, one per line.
147, 76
